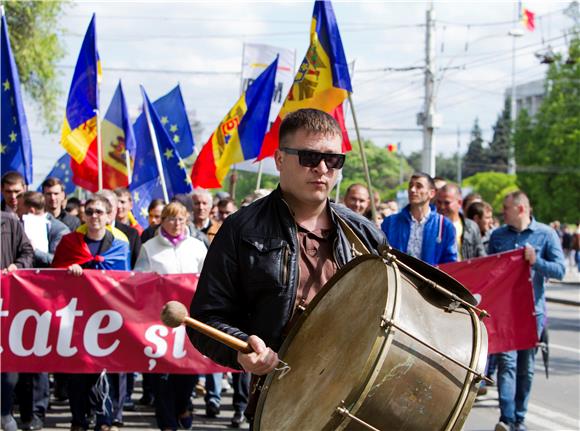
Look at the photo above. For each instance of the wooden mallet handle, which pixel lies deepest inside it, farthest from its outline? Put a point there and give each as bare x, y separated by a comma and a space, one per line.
174, 314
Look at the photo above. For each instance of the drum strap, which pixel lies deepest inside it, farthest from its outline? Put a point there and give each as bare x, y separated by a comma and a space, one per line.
357, 247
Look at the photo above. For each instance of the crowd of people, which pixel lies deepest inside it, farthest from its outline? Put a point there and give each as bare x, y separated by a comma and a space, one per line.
289, 237
45, 229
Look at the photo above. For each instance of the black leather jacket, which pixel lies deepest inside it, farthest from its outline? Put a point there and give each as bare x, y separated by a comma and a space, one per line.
250, 275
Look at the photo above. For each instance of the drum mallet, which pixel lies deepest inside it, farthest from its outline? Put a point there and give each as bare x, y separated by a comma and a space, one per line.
174, 314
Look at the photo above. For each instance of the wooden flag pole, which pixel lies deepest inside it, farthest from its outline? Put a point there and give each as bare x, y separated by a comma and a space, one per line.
364, 159
128, 163
99, 150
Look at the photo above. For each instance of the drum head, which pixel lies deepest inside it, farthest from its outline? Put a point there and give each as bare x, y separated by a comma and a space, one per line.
332, 350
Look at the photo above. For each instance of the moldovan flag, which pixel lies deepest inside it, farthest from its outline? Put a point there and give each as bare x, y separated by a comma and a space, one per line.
79, 129
118, 141
529, 19
239, 135
322, 81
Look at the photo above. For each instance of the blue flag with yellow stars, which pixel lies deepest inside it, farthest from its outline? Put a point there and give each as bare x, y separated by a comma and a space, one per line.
173, 116
62, 171
146, 183
15, 148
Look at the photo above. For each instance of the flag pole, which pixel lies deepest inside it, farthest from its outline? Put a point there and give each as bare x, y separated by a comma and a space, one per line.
363, 157
155, 146
259, 180
99, 150
128, 163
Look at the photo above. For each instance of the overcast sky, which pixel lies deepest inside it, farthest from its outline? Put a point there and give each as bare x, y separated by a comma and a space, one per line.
199, 45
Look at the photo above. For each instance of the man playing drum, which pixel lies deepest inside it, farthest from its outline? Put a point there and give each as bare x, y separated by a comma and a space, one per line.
271, 258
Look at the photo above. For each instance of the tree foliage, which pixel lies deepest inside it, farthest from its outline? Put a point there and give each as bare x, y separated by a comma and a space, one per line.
36, 43
384, 169
445, 167
476, 159
499, 147
492, 186
548, 146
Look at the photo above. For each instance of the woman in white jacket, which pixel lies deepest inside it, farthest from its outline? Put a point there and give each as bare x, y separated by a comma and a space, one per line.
172, 251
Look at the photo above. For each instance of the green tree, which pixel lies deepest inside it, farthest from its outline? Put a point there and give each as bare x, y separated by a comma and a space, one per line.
384, 169
445, 167
476, 159
548, 147
492, 186
36, 38
500, 144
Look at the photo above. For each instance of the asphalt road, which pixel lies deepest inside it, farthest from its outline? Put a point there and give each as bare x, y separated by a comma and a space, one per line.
554, 404
555, 401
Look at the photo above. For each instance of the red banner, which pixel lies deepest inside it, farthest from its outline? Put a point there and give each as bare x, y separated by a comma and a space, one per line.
502, 284
52, 321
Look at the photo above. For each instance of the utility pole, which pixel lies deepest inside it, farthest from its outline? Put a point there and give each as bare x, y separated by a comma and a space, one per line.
400, 163
428, 119
514, 33
459, 157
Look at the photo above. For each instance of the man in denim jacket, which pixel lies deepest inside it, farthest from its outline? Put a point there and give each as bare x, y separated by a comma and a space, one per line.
543, 251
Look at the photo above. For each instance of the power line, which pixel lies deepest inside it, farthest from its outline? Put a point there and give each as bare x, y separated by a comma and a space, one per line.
494, 23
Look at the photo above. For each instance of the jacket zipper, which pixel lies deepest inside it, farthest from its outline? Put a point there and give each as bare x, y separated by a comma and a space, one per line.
285, 271
335, 243
297, 278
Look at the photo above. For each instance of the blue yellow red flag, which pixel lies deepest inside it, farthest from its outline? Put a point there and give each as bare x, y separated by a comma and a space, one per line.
322, 81
15, 146
240, 134
117, 138
79, 130
146, 184
62, 171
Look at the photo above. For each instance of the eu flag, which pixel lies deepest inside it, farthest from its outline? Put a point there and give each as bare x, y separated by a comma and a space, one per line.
62, 171
146, 183
15, 148
173, 116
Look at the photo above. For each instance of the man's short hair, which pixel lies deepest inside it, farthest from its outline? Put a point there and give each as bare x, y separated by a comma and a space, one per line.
309, 120
12, 178
471, 198
353, 186
428, 177
156, 203
519, 198
123, 191
102, 199
33, 200
73, 203
222, 203
478, 209
451, 188
202, 192
51, 182
110, 196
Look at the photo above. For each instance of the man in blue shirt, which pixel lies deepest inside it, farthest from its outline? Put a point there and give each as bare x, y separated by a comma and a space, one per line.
418, 230
543, 251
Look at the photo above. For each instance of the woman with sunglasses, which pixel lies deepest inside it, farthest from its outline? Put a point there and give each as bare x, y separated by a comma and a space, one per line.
94, 245
172, 251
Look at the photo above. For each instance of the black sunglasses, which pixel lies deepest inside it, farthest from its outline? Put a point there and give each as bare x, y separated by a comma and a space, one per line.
311, 159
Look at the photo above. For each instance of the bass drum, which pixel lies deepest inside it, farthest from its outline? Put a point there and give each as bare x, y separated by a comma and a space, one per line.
378, 348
